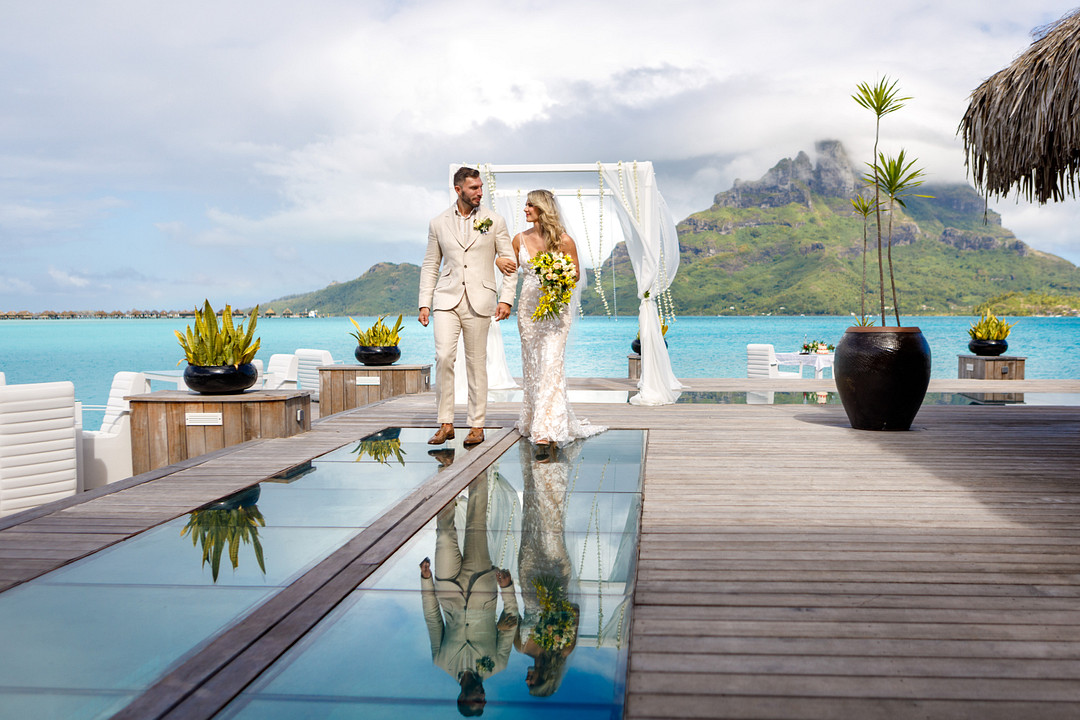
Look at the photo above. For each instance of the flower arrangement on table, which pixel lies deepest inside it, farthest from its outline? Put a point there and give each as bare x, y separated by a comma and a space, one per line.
557, 276
557, 626
817, 346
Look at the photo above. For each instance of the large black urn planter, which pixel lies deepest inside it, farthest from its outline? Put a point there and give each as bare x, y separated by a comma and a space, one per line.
220, 379
635, 345
882, 375
377, 354
988, 347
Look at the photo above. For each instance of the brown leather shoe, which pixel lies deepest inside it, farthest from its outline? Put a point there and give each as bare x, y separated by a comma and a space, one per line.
475, 437
444, 433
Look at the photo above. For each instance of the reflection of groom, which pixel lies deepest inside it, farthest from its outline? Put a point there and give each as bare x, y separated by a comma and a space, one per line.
464, 240
461, 599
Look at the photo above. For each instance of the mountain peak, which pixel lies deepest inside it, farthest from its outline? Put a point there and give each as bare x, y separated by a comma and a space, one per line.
793, 180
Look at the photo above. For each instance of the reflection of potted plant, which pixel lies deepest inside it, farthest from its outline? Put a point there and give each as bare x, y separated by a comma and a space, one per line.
380, 450
233, 521
381, 446
988, 335
219, 358
378, 345
882, 372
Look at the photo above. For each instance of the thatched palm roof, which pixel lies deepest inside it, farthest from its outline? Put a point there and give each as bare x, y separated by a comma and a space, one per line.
1022, 128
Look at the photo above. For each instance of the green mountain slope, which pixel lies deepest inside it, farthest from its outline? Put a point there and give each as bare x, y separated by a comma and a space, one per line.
385, 289
790, 243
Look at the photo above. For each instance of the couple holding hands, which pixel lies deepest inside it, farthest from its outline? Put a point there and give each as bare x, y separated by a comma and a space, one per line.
458, 294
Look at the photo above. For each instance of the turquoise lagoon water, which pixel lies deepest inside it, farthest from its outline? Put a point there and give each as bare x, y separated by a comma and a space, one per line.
89, 352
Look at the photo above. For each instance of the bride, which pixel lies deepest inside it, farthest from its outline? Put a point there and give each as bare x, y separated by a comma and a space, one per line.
546, 416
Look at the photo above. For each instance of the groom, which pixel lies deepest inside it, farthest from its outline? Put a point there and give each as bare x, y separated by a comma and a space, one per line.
465, 241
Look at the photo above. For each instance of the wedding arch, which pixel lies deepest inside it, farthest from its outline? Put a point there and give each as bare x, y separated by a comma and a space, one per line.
629, 191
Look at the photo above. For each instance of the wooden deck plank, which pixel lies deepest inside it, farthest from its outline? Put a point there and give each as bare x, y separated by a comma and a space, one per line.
789, 566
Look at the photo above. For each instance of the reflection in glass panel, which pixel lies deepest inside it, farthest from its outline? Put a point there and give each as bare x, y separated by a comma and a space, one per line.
82, 640
411, 443
514, 601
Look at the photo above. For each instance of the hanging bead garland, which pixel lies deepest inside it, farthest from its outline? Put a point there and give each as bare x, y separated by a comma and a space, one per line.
593, 253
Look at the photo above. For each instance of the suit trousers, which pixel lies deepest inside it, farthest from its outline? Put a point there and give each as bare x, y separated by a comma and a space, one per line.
462, 321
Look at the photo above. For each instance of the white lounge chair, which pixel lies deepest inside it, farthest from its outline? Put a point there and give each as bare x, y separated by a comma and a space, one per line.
37, 445
761, 362
307, 370
281, 372
2, 381
106, 453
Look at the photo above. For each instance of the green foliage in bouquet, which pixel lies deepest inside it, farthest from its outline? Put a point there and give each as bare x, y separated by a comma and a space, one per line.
378, 335
989, 327
227, 344
215, 528
556, 627
380, 450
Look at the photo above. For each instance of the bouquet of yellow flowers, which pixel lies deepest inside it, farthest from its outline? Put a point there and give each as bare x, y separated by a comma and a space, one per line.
556, 272
557, 626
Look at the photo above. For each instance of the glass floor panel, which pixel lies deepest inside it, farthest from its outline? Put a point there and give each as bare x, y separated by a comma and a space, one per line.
412, 443
832, 398
83, 640
525, 611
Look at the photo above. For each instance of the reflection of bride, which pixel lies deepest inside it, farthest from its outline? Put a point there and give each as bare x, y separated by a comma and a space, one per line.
549, 627
546, 416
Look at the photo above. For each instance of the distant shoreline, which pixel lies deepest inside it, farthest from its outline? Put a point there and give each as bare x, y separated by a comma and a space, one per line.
191, 316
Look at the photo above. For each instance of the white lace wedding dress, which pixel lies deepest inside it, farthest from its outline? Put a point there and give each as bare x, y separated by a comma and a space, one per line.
546, 415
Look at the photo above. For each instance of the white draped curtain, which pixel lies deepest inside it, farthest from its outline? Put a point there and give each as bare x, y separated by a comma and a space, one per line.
648, 230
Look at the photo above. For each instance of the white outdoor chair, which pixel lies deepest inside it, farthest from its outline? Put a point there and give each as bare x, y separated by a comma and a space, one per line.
38, 461
761, 362
281, 372
260, 378
2, 381
106, 453
307, 369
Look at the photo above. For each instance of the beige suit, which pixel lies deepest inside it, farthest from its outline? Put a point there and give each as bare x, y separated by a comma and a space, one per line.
457, 282
461, 600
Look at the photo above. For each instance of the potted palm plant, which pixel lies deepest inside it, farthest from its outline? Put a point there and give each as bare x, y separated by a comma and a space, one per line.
882, 372
219, 356
378, 345
988, 335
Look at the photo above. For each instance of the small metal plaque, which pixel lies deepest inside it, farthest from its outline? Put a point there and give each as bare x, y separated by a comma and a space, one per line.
368, 380
210, 418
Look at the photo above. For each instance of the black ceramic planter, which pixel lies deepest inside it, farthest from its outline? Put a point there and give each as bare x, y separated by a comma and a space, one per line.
882, 375
635, 345
220, 379
377, 354
988, 347
241, 499
392, 433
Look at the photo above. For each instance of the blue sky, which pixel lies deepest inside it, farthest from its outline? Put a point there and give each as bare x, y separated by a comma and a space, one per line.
153, 154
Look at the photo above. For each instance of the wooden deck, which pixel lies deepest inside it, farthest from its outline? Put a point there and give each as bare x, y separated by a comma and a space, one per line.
790, 567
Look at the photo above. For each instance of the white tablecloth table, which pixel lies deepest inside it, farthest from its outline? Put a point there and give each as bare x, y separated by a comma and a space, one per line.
176, 377
818, 361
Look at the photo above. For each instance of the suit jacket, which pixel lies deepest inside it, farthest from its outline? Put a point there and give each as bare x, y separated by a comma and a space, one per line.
455, 266
462, 626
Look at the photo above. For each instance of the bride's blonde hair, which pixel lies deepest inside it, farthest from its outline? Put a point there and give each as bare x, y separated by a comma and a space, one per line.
547, 217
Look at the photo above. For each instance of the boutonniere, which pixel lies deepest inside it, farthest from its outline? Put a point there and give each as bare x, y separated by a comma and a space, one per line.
482, 225
485, 665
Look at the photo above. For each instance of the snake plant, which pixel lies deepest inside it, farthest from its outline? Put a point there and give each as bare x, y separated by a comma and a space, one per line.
989, 327
208, 344
378, 335
216, 528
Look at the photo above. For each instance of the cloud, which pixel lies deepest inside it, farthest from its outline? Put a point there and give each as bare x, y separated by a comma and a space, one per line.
64, 279
304, 144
